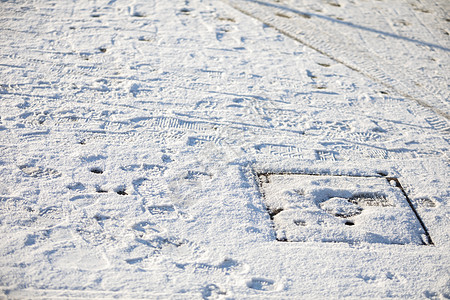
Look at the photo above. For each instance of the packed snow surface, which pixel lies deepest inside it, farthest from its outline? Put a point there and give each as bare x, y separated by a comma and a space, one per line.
234, 149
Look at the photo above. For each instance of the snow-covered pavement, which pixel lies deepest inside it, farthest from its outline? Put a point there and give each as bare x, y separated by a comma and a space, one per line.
227, 149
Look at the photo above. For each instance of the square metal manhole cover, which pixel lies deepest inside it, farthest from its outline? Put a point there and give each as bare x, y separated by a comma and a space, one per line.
327, 208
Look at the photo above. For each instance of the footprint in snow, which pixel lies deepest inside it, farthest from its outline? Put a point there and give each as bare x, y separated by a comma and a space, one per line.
76, 186
161, 210
212, 291
341, 207
261, 284
36, 171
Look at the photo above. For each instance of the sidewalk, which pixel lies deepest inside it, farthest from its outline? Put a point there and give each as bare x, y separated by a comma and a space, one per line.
224, 149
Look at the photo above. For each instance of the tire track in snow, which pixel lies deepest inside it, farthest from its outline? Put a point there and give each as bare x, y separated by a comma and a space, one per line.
359, 59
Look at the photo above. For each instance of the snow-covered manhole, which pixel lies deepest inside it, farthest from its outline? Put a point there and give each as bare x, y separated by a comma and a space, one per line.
352, 209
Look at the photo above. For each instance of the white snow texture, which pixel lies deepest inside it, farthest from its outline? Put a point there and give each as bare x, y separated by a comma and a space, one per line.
224, 149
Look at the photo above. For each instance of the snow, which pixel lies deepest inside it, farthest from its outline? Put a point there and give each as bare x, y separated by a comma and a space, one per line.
327, 208
224, 149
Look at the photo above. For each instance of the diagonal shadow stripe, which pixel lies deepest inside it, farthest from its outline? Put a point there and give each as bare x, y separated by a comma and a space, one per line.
418, 100
388, 34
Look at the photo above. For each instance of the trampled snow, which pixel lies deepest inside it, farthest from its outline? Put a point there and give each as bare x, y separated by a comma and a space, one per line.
227, 149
